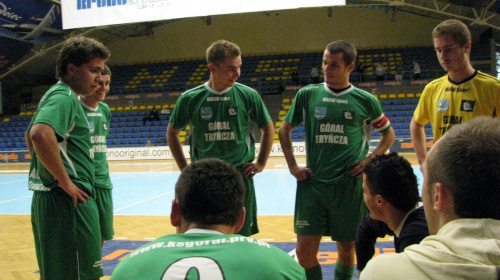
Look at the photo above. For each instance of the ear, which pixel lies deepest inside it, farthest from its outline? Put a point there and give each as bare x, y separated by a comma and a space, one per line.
443, 200
241, 220
380, 200
468, 47
211, 67
71, 68
175, 215
350, 67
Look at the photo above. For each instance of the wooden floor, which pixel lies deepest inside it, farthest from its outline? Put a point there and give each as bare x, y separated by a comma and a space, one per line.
18, 260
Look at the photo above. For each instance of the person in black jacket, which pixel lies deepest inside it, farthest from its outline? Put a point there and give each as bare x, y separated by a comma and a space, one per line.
391, 194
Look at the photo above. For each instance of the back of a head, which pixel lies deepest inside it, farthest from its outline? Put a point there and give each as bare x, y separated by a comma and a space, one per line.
457, 29
392, 177
106, 71
346, 48
210, 192
79, 50
220, 50
467, 162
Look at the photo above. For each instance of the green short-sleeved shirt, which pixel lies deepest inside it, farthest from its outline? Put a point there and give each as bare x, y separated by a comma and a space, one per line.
208, 255
99, 123
219, 122
337, 127
60, 109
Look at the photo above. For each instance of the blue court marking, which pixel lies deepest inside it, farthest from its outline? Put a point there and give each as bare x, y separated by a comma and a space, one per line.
151, 193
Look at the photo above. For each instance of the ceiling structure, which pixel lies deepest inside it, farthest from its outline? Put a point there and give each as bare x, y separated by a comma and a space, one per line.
36, 67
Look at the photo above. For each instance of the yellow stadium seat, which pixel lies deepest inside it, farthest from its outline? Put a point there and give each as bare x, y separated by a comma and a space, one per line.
418, 95
392, 95
29, 113
410, 95
6, 120
277, 124
182, 133
287, 107
183, 139
158, 106
282, 118
382, 96
142, 107
172, 106
119, 108
150, 107
22, 114
127, 108
282, 113
276, 136
112, 109
286, 100
401, 95
165, 106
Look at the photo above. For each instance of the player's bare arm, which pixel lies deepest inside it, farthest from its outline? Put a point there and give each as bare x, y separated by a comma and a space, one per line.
175, 145
44, 142
418, 138
285, 134
266, 144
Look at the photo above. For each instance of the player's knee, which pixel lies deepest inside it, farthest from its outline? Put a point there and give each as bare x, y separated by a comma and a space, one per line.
307, 258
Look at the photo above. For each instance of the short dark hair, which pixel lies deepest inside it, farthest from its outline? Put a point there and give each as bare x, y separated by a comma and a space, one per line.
210, 191
79, 50
466, 160
457, 29
346, 48
220, 50
106, 71
392, 177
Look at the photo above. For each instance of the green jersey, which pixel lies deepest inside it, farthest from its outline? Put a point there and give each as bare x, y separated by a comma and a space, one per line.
60, 109
219, 122
337, 127
202, 254
99, 122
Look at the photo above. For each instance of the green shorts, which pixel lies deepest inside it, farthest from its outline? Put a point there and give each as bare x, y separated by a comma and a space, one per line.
67, 238
105, 206
250, 227
330, 209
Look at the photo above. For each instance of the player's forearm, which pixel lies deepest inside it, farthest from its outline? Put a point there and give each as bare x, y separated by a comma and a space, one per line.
175, 145
385, 142
266, 143
45, 145
418, 138
286, 143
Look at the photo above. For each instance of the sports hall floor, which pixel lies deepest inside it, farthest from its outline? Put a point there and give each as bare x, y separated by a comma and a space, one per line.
143, 191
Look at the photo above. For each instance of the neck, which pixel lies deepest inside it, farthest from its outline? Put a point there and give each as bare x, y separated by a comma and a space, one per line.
462, 74
394, 219
89, 101
225, 229
213, 85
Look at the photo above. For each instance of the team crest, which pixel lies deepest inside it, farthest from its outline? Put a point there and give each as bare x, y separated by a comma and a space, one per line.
443, 105
232, 111
467, 105
348, 114
105, 126
206, 113
91, 127
320, 112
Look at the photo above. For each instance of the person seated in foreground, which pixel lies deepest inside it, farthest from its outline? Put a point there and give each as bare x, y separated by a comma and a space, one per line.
461, 191
390, 191
207, 210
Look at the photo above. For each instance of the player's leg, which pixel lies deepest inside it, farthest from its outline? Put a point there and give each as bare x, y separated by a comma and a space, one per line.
104, 202
344, 268
250, 226
310, 225
307, 252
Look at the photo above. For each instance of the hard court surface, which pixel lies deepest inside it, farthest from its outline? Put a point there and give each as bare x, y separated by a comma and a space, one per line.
142, 195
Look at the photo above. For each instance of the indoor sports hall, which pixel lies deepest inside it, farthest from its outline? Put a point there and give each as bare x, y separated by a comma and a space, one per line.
154, 62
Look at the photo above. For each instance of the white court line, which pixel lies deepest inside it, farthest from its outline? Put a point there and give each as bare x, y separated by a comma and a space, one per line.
29, 196
145, 163
14, 171
142, 201
10, 182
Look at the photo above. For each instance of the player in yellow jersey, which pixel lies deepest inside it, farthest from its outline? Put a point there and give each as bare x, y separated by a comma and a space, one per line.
459, 96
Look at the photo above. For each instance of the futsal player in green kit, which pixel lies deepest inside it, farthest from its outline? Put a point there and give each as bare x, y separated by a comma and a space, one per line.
208, 208
64, 214
219, 114
99, 118
337, 118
